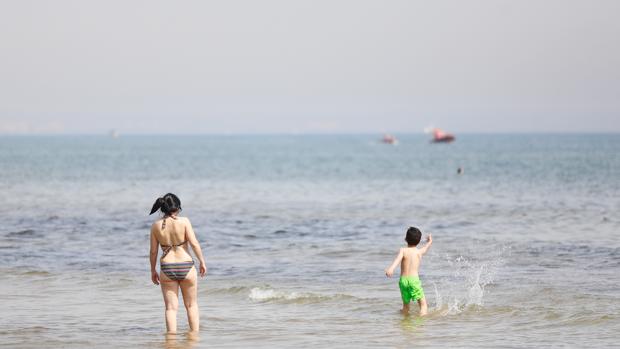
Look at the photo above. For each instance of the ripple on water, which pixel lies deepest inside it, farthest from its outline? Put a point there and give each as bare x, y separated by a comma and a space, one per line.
23, 233
36, 273
22, 331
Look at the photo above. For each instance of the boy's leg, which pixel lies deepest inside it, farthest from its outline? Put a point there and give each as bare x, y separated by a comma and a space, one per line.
405, 309
423, 306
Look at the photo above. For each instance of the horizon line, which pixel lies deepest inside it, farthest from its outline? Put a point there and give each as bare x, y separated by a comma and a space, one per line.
363, 133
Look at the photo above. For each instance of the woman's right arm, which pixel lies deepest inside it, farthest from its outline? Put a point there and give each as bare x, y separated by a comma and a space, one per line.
153, 257
191, 237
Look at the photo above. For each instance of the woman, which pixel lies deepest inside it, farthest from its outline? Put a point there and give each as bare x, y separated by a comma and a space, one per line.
174, 234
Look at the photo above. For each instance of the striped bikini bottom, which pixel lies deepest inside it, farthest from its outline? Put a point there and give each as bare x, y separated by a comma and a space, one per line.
177, 271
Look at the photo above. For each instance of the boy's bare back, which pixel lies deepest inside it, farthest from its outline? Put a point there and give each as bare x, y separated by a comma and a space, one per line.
409, 259
410, 263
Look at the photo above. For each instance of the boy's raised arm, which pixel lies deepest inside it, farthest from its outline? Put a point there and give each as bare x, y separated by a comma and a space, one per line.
429, 242
390, 270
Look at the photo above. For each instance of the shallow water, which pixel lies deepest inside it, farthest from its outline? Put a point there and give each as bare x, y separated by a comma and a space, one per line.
297, 231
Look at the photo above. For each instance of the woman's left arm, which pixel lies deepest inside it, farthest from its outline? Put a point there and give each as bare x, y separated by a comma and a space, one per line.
153, 257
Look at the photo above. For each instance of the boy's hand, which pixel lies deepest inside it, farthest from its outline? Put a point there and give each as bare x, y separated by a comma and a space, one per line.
429, 238
389, 272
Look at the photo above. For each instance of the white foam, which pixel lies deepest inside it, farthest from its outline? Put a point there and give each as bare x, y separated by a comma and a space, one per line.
263, 294
465, 288
266, 294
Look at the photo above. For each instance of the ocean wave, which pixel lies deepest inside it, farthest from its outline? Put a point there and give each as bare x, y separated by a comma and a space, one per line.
266, 294
36, 273
463, 309
587, 320
229, 290
25, 330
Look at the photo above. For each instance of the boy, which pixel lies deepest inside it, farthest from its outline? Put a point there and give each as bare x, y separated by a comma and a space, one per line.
409, 258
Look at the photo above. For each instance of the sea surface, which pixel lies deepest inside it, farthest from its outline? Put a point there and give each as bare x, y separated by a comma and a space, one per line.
297, 231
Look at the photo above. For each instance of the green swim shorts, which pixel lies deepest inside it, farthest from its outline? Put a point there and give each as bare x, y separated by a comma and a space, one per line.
410, 288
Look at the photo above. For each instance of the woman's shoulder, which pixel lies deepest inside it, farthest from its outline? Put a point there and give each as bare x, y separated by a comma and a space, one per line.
156, 224
184, 220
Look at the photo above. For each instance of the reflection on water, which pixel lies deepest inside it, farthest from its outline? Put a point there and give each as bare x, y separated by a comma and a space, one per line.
412, 323
186, 340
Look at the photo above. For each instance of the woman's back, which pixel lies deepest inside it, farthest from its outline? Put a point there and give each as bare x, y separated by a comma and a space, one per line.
171, 234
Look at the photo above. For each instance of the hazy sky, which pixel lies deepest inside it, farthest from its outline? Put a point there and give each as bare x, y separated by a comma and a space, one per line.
309, 66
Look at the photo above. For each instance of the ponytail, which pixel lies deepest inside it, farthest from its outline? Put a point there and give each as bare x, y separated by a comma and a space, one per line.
157, 205
167, 204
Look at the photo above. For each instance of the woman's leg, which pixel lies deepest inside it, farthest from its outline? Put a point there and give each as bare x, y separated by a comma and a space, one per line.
189, 288
170, 290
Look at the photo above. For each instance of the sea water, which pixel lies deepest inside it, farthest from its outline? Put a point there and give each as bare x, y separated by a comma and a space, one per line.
297, 231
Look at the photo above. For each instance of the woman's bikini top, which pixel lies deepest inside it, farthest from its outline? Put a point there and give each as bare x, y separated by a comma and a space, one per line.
167, 248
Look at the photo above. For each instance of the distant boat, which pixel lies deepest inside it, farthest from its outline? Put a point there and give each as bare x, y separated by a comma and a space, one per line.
440, 136
389, 139
114, 134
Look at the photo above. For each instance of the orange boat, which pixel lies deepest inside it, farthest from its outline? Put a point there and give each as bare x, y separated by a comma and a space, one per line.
440, 136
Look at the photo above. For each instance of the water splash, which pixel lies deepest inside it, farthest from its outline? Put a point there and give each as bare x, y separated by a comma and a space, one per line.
465, 287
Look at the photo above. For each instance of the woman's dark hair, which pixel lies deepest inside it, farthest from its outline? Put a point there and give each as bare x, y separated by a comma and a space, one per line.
413, 236
167, 204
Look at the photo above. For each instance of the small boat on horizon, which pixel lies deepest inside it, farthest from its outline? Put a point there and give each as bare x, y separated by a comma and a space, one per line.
113, 134
389, 139
440, 136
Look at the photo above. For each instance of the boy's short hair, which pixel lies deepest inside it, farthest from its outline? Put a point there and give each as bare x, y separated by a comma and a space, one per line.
413, 236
